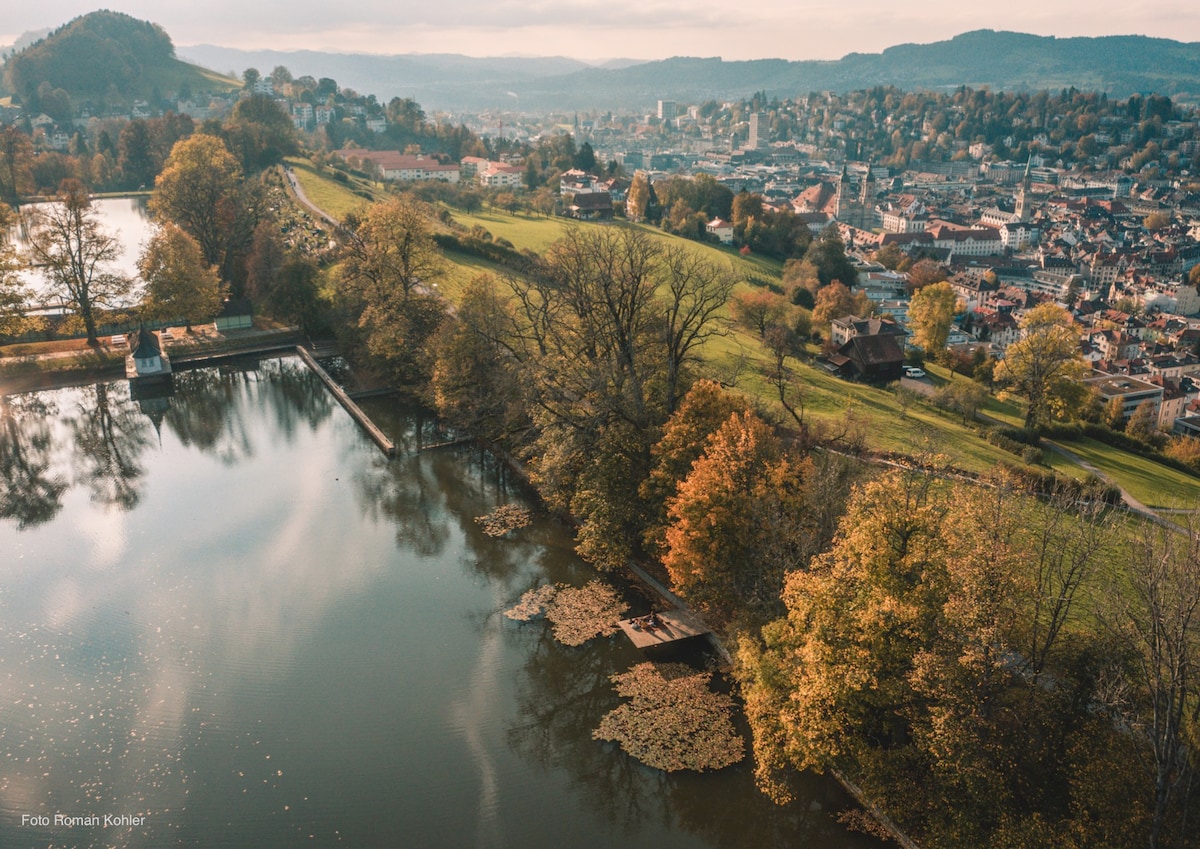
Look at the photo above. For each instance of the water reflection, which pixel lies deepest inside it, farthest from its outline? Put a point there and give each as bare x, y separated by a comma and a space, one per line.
109, 437
32, 491
126, 218
261, 630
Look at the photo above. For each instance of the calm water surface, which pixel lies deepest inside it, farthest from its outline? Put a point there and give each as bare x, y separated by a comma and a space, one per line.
128, 219
234, 618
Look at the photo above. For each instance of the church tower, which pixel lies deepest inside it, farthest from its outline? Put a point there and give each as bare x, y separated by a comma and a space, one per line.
841, 207
1022, 205
866, 201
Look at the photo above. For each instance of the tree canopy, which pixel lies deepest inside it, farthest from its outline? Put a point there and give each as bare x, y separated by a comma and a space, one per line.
1044, 366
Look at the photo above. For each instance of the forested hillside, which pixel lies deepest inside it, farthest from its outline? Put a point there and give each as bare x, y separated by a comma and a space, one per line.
102, 57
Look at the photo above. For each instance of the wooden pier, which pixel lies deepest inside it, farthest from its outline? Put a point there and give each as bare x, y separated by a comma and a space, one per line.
673, 626
377, 436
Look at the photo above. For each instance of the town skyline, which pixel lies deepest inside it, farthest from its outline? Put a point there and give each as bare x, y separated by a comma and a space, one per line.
771, 29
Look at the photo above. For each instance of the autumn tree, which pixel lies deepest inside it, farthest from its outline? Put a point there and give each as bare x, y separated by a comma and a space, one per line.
737, 524
930, 315
1143, 423
759, 309
605, 329
201, 189
476, 382
925, 272
389, 259
692, 290
296, 296
1044, 366
390, 252
701, 413
856, 619
260, 132
828, 256
179, 284
1155, 610
266, 258
16, 160
833, 301
74, 253
14, 297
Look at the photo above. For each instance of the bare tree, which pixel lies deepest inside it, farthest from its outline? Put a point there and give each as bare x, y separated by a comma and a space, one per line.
1156, 607
75, 253
694, 292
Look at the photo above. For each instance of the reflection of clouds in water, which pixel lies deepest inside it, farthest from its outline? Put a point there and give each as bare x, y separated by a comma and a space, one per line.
64, 602
104, 532
472, 715
128, 630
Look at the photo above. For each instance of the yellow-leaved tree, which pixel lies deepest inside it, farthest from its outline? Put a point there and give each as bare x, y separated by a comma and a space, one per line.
1044, 366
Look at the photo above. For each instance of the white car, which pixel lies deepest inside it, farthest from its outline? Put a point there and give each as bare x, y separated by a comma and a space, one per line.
914, 372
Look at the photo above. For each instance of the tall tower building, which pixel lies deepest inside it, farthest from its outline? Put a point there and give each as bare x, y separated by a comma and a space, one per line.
1022, 204
668, 110
758, 131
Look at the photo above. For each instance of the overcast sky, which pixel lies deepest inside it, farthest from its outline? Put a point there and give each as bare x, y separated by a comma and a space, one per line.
590, 30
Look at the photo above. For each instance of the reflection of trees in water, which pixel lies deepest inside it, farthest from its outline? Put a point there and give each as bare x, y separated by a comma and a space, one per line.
110, 435
31, 494
301, 397
563, 694
408, 496
203, 413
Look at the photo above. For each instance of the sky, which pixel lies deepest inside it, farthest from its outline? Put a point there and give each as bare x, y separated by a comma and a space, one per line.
593, 31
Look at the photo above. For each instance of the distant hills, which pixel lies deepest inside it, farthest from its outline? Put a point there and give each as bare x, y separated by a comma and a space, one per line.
1118, 65
104, 56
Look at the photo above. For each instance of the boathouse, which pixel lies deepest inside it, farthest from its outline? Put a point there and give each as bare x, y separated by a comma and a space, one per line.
146, 361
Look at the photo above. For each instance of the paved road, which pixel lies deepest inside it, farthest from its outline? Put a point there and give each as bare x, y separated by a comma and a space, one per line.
303, 198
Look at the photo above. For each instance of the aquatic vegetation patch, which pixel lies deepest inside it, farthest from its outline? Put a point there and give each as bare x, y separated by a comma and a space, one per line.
673, 721
505, 519
533, 603
577, 614
580, 613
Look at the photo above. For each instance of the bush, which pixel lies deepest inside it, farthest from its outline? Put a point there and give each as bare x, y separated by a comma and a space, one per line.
1032, 455
1048, 483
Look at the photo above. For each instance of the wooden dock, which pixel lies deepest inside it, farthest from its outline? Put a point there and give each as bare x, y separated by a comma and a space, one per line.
377, 436
674, 625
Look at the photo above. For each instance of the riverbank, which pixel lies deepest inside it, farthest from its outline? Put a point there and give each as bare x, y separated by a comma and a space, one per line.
28, 367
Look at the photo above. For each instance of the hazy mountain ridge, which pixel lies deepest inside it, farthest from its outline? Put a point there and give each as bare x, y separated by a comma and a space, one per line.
1119, 65
103, 53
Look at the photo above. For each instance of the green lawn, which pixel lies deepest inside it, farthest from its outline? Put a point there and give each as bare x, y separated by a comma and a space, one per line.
335, 198
1153, 484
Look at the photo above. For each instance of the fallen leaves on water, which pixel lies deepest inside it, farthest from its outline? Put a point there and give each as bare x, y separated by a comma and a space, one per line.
505, 519
580, 613
577, 614
673, 720
533, 603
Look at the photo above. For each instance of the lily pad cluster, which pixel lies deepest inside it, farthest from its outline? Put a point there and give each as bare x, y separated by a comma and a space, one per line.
505, 519
673, 721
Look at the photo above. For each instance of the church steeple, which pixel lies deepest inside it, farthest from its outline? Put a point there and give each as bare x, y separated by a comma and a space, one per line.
1022, 205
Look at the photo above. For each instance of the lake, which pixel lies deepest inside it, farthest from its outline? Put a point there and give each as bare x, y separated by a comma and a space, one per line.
228, 619
126, 218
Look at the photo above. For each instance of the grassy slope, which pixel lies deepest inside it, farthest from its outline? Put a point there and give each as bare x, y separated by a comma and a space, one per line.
738, 358
337, 199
